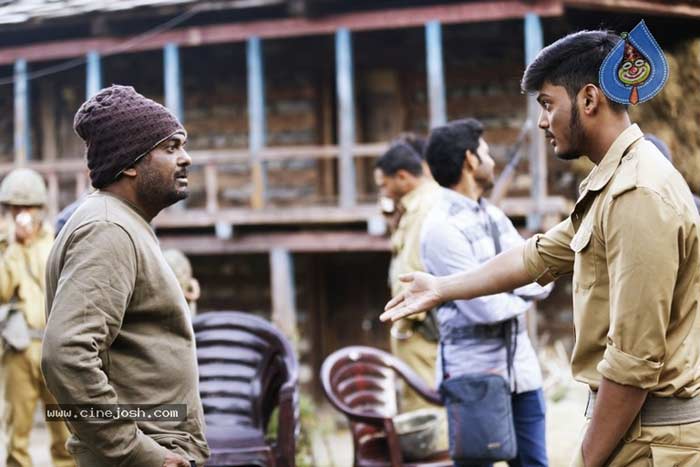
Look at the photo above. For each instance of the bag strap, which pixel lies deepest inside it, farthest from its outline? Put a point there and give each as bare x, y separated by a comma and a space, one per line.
511, 326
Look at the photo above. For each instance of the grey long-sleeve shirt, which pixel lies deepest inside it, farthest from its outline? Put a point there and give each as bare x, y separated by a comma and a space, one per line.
456, 237
118, 332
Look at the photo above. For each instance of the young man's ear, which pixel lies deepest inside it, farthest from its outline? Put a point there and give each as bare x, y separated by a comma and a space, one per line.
471, 161
591, 98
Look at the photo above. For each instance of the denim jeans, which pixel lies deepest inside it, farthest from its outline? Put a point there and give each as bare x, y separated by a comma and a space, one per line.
528, 415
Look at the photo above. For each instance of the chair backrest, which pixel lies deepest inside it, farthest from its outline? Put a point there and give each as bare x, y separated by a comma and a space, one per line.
243, 363
362, 380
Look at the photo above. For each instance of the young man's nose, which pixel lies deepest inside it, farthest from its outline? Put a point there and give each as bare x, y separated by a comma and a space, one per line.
542, 121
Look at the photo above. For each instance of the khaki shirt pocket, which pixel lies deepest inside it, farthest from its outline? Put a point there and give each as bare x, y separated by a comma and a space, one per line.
582, 245
663, 455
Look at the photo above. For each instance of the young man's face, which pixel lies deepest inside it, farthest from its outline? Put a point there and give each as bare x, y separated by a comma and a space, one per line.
560, 121
392, 186
484, 173
162, 177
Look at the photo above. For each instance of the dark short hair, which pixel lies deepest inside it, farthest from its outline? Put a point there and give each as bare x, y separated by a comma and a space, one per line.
447, 148
416, 142
572, 62
400, 156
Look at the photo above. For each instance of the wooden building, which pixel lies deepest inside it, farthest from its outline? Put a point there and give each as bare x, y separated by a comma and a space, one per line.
287, 103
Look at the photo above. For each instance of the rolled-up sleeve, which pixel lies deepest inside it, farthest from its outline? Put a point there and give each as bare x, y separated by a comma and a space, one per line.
548, 256
642, 235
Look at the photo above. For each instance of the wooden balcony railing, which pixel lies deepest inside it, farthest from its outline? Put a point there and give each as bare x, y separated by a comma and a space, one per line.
208, 167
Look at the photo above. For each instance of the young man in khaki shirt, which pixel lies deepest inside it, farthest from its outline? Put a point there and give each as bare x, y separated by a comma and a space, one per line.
118, 329
399, 175
633, 246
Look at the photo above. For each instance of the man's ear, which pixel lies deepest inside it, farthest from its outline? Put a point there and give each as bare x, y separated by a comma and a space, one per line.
591, 97
401, 175
471, 161
130, 172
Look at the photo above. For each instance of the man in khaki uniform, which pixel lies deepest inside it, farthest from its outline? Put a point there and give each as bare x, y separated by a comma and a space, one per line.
399, 176
633, 246
22, 286
182, 268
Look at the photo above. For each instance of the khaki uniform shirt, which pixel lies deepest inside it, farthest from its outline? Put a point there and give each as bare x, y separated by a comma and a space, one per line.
405, 244
405, 241
632, 245
22, 276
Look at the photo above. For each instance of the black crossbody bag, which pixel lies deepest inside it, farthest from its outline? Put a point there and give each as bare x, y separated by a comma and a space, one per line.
479, 406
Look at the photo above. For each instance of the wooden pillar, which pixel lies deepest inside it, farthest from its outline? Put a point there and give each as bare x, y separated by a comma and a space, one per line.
173, 93
47, 115
23, 149
346, 117
284, 313
53, 193
173, 84
93, 79
538, 154
256, 120
436, 74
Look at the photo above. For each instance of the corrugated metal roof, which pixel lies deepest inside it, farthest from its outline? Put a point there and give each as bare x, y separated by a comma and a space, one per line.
22, 11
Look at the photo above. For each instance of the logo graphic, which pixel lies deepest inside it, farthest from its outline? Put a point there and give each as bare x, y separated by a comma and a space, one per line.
635, 70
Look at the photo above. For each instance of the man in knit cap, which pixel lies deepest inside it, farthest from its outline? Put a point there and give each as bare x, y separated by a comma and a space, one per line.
118, 329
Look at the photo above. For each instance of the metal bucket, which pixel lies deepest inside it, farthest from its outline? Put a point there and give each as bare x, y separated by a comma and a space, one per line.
418, 433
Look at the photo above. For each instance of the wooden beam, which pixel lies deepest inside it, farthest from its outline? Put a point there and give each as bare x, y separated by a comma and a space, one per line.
534, 39
295, 242
436, 74
323, 215
346, 116
225, 156
397, 18
689, 9
269, 216
22, 123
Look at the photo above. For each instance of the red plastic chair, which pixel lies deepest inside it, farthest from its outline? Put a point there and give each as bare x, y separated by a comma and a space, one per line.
246, 369
361, 383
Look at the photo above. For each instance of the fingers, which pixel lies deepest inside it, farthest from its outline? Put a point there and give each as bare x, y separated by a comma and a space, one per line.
394, 301
409, 277
396, 313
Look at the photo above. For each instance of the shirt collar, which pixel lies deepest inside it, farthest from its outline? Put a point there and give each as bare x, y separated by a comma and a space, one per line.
462, 201
411, 200
603, 172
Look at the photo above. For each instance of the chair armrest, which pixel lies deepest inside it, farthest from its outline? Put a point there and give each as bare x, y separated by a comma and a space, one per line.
417, 383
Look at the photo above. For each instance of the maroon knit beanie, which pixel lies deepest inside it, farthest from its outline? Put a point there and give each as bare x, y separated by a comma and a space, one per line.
119, 126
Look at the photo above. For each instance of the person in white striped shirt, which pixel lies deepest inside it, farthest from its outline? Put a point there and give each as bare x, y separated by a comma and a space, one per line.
462, 231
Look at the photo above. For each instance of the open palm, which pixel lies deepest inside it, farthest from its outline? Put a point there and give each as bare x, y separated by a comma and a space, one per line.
420, 293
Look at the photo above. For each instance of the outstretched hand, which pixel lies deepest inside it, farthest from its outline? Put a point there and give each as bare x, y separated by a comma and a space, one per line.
420, 293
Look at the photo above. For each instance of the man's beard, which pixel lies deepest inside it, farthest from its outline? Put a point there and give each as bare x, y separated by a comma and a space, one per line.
153, 192
577, 136
485, 183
